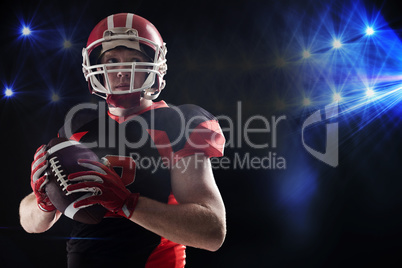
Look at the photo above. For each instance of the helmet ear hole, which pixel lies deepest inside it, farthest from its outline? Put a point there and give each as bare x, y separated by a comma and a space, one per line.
163, 84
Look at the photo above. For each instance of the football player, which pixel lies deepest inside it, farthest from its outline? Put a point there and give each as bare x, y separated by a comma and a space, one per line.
155, 209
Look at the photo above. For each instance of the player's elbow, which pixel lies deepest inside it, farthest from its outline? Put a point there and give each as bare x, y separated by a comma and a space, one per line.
30, 227
216, 237
217, 230
217, 241
34, 220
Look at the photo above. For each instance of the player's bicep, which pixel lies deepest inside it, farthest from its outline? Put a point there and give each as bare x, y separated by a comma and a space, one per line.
193, 182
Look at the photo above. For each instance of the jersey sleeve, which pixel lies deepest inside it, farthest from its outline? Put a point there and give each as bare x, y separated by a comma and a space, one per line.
204, 136
192, 130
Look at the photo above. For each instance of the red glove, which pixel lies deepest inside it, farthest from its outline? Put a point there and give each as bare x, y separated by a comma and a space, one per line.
39, 179
108, 188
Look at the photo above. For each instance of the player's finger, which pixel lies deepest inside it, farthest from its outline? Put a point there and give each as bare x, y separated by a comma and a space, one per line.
40, 150
40, 158
87, 186
92, 165
38, 170
97, 166
92, 200
42, 182
85, 175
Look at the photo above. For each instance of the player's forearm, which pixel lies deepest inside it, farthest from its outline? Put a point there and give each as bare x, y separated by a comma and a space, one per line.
188, 224
34, 220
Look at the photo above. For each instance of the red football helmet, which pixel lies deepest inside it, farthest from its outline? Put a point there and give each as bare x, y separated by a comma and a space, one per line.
134, 32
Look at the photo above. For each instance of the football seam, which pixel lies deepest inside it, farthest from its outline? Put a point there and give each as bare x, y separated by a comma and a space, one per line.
54, 161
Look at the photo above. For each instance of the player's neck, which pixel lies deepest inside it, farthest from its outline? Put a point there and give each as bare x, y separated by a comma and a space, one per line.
124, 112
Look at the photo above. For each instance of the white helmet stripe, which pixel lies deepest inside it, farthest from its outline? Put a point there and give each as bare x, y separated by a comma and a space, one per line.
129, 20
110, 23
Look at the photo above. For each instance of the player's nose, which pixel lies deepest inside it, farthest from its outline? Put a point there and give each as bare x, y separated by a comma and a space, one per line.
123, 74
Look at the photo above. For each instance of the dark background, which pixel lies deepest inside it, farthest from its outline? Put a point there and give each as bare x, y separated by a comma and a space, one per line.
309, 215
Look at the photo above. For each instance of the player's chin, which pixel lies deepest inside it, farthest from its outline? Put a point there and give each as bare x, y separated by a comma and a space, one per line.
121, 105
124, 101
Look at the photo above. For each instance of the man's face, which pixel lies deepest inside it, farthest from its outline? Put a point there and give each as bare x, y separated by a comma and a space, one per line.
120, 81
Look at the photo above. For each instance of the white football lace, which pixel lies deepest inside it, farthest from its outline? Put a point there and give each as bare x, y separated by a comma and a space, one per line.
56, 168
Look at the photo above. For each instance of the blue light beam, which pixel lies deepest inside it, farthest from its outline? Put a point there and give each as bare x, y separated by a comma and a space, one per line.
370, 31
337, 43
26, 30
8, 92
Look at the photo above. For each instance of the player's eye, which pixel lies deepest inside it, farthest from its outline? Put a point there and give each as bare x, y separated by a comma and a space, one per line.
112, 60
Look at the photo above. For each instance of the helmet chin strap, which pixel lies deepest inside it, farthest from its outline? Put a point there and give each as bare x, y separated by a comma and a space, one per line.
150, 94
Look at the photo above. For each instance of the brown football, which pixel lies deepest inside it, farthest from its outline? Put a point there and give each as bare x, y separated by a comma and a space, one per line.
63, 156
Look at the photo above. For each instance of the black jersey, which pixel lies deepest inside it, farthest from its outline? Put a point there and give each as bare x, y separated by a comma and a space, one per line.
141, 149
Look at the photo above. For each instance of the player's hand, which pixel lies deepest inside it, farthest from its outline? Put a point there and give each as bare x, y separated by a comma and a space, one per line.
39, 179
107, 187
